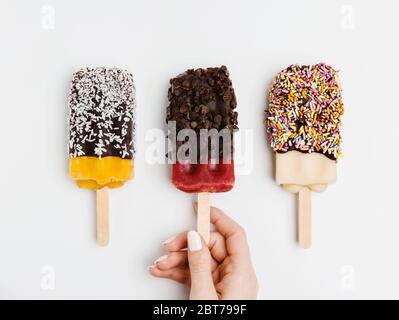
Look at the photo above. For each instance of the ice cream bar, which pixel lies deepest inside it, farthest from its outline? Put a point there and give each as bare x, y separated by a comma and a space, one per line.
101, 134
303, 127
202, 101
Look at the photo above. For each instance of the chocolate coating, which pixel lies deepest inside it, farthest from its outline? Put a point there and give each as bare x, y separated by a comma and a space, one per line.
101, 113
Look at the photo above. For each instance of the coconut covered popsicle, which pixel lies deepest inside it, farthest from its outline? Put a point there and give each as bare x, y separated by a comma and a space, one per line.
203, 101
303, 127
101, 134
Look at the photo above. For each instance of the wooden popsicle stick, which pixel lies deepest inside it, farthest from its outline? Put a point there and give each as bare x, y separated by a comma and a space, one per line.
203, 215
305, 218
102, 217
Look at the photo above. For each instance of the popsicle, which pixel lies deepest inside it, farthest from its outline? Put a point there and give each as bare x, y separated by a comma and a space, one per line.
101, 135
201, 100
303, 127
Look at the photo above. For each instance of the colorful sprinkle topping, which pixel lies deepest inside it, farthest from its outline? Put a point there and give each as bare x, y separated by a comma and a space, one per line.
305, 106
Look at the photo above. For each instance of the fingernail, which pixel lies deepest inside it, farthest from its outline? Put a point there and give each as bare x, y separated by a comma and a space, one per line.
150, 267
169, 240
194, 241
161, 259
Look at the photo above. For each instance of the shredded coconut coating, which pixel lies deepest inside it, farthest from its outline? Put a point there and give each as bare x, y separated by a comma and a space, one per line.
102, 113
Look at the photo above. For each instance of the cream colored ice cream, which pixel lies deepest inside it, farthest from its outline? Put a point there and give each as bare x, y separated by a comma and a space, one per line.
295, 170
303, 127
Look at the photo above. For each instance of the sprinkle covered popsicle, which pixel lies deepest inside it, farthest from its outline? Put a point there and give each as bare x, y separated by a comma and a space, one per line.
303, 127
101, 134
203, 101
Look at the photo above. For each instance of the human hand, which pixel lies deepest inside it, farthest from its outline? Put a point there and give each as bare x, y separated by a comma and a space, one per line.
221, 270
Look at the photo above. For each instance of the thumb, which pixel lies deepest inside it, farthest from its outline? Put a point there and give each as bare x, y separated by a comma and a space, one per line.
199, 259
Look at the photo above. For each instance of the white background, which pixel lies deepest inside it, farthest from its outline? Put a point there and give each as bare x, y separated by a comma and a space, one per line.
47, 225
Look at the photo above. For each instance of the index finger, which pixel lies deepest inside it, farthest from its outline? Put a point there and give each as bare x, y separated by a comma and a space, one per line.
236, 241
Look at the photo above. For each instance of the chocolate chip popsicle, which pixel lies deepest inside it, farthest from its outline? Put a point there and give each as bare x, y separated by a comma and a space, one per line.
303, 127
101, 134
203, 101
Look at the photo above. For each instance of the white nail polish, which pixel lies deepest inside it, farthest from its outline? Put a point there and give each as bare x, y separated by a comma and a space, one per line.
194, 241
169, 240
161, 259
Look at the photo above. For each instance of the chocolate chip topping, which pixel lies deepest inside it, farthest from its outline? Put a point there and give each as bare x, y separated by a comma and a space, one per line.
101, 113
203, 99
